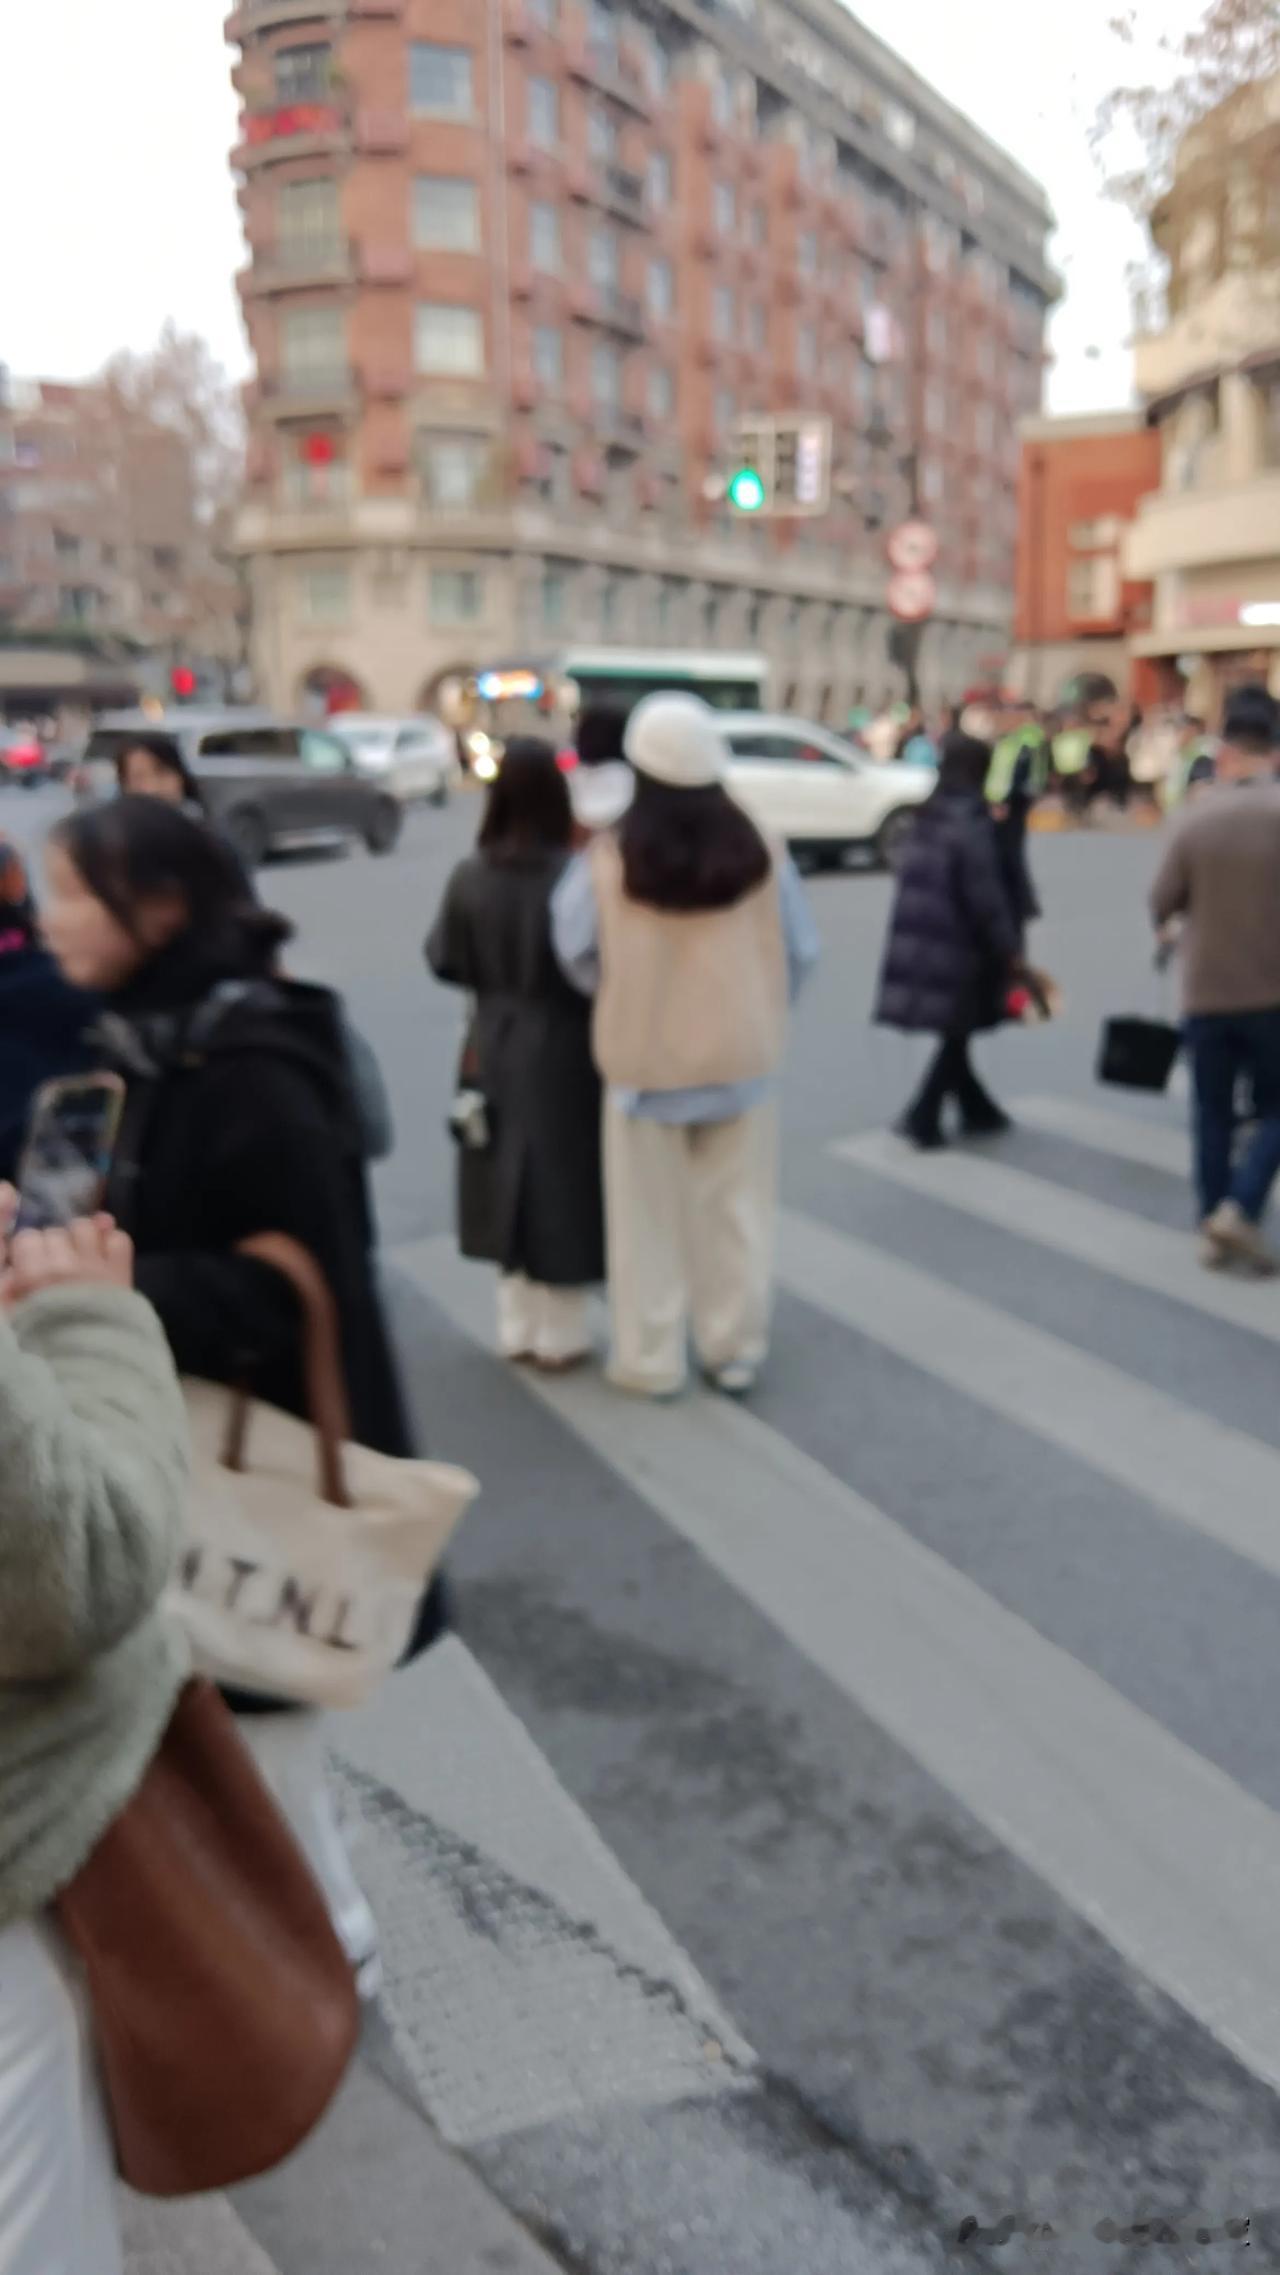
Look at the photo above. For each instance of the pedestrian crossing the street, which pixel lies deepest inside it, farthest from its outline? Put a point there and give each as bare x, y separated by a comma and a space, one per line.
970, 1628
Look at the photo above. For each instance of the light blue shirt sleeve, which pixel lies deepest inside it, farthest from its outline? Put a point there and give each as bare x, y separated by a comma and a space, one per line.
575, 926
798, 928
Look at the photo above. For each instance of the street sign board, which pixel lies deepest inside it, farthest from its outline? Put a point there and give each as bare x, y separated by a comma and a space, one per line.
913, 546
912, 595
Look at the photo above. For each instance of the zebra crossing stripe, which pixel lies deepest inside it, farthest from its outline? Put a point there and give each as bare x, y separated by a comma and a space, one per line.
1148, 1144
1164, 1854
1146, 1441
1091, 1232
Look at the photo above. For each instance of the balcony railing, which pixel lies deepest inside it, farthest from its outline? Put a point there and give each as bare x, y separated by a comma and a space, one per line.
329, 392
623, 193
293, 268
264, 15
612, 72
288, 130
620, 311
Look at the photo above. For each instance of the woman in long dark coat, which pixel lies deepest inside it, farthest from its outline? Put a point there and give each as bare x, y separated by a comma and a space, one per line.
954, 942
529, 1179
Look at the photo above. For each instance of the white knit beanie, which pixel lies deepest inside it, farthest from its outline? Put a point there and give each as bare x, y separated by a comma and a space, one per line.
675, 739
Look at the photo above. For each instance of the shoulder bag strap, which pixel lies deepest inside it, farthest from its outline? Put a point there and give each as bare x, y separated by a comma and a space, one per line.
328, 1404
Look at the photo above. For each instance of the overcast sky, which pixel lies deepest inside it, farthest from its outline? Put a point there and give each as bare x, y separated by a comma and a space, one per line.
118, 209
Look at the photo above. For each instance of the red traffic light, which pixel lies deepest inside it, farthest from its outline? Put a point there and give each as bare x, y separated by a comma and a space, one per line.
319, 450
183, 682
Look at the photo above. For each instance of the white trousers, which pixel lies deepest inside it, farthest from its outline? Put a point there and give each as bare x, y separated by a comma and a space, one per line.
290, 1753
57, 2169
537, 1322
691, 1211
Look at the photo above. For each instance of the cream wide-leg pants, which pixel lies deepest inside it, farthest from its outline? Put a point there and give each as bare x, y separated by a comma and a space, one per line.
57, 2168
291, 1752
549, 1325
690, 1210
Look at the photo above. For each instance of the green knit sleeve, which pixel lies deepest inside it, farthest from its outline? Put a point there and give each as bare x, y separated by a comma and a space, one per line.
93, 1464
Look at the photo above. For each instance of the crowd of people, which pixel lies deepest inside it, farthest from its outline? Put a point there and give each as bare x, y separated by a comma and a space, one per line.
629, 944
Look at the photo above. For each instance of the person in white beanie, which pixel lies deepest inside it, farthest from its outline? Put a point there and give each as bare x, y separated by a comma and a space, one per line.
693, 935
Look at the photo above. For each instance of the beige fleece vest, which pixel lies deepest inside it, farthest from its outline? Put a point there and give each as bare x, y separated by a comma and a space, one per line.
687, 1000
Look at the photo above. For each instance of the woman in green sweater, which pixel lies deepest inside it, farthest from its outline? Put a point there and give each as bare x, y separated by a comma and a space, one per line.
92, 1472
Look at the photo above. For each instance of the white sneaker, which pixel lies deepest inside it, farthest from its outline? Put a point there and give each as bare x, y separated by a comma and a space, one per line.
1231, 1238
737, 1380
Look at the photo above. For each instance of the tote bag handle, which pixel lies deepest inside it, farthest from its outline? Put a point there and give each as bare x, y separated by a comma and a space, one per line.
328, 1403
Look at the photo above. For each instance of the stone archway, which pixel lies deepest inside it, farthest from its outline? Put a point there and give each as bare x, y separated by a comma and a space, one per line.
328, 688
445, 693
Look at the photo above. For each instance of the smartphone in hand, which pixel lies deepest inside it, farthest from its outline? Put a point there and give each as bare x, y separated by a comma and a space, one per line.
70, 1140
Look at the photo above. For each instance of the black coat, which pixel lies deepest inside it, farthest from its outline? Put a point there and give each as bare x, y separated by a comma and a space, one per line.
239, 1119
42, 1023
532, 1200
954, 932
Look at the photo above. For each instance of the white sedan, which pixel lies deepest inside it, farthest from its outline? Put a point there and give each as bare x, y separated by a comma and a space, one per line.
810, 787
416, 758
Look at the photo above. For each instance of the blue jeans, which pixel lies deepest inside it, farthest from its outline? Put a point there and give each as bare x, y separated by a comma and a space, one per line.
1224, 1046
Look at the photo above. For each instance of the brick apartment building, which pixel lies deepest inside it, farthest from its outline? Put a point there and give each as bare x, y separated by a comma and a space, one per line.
1079, 488
517, 270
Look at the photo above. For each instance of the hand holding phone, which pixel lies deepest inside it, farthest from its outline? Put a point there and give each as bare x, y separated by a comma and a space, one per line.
93, 1251
71, 1136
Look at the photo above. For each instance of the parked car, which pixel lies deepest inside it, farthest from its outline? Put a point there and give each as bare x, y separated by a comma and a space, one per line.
413, 758
268, 784
809, 786
23, 759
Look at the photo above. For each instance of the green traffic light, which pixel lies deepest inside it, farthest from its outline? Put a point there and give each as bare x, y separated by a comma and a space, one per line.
746, 490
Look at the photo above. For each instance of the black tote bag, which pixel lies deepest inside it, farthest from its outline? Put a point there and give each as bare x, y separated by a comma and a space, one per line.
1138, 1054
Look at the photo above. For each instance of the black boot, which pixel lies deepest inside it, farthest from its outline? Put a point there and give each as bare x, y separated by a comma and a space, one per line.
921, 1131
978, 1110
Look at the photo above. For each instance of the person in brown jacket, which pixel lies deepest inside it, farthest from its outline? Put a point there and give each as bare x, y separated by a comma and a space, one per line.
1220, 880
692, 933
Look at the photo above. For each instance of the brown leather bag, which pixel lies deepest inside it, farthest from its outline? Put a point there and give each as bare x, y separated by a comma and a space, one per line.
225, 2007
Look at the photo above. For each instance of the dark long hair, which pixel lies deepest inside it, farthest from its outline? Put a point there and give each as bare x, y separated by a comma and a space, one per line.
132, 851
164, 750
687, 850
963, 764
528, 811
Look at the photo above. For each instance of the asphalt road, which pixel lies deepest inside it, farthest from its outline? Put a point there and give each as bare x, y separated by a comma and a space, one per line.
855, 1816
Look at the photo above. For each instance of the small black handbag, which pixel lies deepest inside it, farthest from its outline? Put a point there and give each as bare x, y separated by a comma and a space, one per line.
1138, 1054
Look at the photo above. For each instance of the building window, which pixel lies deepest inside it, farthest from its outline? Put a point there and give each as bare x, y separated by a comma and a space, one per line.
307, 221
457, 596
757, 327
610, 597
306, 486
446, 214
555, 599
662, 289
602, 31
543, 14
659, 181
726, 208
304, 74
1093, 589
441, 80
606, 375
758, 226
936, 329
544, 236
659, 67
548, 354
722, 311
542, 113
449, 340
806, 351
722, 99
602, 134
313, 345
454, 468
807, 253
324, 594
602, 258
935, 407
552, 479
931, 481
662, 391
725, 409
